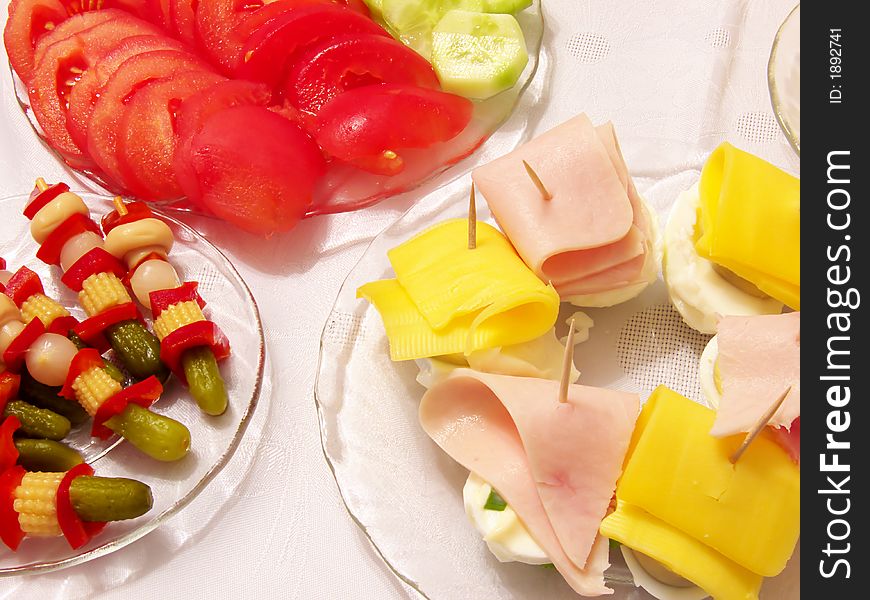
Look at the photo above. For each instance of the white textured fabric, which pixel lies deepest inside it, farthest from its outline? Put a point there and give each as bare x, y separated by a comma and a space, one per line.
676, 78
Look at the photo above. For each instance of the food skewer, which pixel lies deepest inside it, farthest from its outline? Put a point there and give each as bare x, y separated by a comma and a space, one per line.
567, 363
545, 193
759, 426
472, 220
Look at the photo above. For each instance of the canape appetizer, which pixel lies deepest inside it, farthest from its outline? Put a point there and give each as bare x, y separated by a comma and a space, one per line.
732, 243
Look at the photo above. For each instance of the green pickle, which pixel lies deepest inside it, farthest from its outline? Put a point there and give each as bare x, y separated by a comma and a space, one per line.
38, 422
113, 371
109, 499
46, 396
157, 436
204, 380
138, 349
46, 455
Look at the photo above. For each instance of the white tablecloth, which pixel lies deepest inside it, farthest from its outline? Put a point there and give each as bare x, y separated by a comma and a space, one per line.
677, 78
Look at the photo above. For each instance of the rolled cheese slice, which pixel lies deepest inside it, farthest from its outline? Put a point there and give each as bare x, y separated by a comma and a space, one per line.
593, 235
447, 299
749, 222
54, 213
139, 234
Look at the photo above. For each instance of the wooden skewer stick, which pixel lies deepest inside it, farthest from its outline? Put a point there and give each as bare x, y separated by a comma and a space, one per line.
472, 221
759, 426
120, 206
545, 194
567, 363
40, 184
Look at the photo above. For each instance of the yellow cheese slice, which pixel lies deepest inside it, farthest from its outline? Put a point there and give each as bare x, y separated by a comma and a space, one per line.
677, 472
749, 222
717, 575
448, 299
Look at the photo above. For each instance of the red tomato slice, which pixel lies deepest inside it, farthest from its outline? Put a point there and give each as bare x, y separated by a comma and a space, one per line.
84, 94
116, 94
331, 67
271, 47
60, 65
369, 126
255, 168
196, 109
147, 134
29, 20
182, 20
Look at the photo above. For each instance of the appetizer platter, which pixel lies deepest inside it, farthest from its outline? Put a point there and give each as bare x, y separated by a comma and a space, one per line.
453, 412
200, 105
109, 414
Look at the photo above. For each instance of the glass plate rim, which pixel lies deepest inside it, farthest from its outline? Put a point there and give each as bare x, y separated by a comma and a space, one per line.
775, 100
116, 544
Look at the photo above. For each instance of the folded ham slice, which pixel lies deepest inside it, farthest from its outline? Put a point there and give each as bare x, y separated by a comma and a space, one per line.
759, 358
555, 464
594, 234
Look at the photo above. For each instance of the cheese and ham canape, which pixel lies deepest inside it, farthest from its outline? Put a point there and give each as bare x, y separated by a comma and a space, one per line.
555, 464
681, 501
593, 238
755, 359
449, 299
732, 242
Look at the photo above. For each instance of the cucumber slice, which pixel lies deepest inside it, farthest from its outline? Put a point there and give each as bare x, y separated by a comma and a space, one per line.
478, 55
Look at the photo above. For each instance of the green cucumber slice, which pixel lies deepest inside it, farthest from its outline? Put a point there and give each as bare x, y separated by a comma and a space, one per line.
478, 55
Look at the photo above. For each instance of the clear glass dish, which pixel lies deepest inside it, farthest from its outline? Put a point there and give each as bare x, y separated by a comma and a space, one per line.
213, 439
344, 188
784, 77
403, 491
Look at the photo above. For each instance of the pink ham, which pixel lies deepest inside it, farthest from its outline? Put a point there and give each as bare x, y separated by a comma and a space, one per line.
759, 358
555, 464
594, 234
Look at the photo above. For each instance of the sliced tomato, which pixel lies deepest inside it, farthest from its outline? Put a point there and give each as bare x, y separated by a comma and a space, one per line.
272, 46
255, 168
84, 94
331, 67
369, 126
133, 74
182, 20
147, 134
158, 11
196, 109
29, 20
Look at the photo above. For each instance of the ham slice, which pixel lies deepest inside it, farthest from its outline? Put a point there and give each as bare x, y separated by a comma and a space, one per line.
759, 358
594, 234
555, 464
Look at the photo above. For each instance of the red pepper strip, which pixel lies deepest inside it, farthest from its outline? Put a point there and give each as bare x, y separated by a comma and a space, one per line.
91, 330
147, 257
77, 532
10, 530
84, 360
2, 263
163, 299
17, 350
49, 252
135, 211
9, 384
8, 451
63, 325
40, 199
22, 285
192, 335
95, 260
143, 393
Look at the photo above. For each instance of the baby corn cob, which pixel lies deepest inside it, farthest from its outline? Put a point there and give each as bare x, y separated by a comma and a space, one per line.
176, 317
93, 387
43, 307
102, 291
35, 504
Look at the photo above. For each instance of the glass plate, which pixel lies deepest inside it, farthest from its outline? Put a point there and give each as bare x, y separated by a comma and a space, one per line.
345, 188
213, 439
784, 77
402, 490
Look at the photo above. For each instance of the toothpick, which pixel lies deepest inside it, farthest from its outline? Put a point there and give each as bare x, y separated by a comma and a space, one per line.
545, 194
120, 206
567, 363
40, 184
759, 426
472, 221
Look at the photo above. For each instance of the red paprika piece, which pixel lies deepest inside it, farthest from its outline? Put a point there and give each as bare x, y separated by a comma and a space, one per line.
135, 211
63, 325
10, 530
8, 451
49, 251
23, 284
17, 350
84, 360
143, 393
192, 335
9, 384
139, 263
77, 532
95, 260
163, 299
91, 330
39, 199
